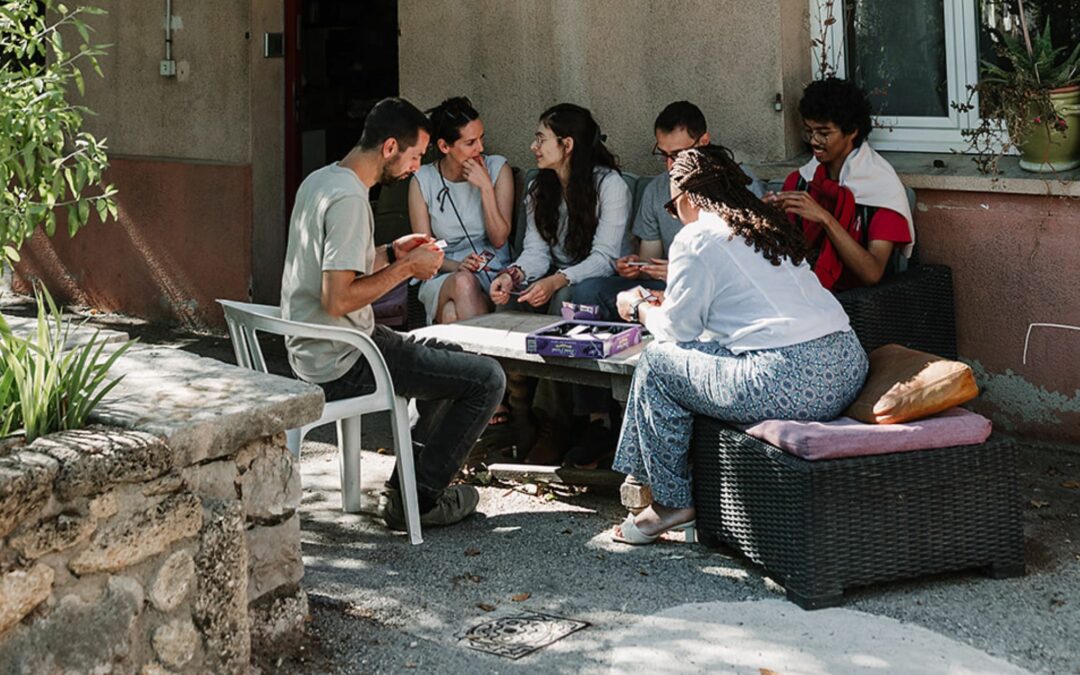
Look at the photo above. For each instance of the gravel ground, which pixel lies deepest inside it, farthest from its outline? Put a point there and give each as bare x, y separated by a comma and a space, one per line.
380, 605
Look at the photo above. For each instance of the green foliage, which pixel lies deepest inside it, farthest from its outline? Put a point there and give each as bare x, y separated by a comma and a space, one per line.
1044, 67
1014, 95
47, 162
45, 386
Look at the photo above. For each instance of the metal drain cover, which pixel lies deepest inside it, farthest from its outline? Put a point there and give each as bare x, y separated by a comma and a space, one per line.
520, 634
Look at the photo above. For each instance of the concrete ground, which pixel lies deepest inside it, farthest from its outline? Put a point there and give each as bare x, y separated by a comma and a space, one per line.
380, 605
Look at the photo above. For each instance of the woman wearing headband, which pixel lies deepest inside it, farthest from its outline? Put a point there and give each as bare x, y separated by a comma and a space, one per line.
466, 199
744, 332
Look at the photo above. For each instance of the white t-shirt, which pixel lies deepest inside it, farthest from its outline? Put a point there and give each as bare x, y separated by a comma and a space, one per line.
331, 228
724, 291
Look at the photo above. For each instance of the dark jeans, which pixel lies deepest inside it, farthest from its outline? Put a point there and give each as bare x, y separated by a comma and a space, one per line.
456, 394
602, 291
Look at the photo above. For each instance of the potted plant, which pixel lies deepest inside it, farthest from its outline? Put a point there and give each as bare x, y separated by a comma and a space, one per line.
1033, 94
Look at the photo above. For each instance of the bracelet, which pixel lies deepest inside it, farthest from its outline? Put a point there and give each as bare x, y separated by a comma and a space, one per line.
391, 257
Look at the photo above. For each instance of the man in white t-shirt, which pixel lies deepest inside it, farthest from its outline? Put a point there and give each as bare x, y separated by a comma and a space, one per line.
333, 273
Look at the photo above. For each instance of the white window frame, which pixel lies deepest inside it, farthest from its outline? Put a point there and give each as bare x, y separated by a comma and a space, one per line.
910, 133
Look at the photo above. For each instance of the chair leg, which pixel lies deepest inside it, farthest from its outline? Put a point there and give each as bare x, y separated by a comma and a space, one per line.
405, 469
349, 452
293, 439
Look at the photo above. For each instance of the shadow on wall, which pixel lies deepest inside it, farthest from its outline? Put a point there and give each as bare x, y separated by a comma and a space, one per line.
182, 239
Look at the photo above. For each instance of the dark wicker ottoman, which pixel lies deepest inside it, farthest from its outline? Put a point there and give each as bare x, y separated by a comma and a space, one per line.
821, 527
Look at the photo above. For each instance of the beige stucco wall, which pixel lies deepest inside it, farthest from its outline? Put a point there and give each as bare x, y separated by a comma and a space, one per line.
623, 59
225, 106
204, 112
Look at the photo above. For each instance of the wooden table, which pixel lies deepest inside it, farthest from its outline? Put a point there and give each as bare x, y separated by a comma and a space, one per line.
501, 335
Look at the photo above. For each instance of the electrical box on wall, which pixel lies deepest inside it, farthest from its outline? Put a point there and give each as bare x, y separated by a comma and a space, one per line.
167, 68
273, 45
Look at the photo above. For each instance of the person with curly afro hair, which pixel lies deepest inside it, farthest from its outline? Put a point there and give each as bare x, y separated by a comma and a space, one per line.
850, 203
743, 333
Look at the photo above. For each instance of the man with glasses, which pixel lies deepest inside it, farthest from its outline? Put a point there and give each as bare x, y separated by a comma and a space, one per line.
680, 126
852, 207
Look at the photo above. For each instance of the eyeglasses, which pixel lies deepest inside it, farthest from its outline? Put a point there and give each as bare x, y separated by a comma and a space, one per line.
662, 156
540, 139
816, 135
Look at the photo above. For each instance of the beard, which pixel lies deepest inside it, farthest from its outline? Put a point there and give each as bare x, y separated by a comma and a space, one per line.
392, 173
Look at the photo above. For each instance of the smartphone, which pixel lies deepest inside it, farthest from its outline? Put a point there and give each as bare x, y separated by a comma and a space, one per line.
441, 243
486, 256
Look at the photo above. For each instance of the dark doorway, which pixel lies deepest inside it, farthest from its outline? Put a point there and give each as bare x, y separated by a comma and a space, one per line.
343, 60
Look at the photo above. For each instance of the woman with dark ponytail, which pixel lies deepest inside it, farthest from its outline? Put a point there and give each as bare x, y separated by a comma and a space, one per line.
744, 333
576, 214
465, 198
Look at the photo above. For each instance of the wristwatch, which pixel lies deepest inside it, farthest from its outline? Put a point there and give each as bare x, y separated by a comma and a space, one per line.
391, 257
634, 308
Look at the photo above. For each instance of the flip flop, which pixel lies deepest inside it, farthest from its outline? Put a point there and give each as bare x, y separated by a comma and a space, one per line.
630, 534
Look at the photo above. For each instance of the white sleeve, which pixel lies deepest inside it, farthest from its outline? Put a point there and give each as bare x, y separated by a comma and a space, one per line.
691, 288
613, 202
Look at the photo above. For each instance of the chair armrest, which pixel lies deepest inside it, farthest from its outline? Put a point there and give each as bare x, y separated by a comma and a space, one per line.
913, 308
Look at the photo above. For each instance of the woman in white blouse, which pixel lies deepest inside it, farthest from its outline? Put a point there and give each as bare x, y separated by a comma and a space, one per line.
576, 214
744, 332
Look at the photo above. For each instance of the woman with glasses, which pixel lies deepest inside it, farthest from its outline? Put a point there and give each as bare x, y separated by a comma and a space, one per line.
852, 208
744, 332
576, 214
465, 198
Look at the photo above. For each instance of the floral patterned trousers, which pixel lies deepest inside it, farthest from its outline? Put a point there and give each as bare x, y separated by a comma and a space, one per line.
674, 381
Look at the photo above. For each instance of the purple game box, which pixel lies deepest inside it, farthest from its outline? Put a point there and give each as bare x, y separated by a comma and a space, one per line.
583, 339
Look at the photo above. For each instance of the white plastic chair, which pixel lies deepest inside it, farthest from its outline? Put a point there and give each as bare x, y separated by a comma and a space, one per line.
245, 320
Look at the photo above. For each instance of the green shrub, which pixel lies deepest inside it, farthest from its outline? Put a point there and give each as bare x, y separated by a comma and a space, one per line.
45, 387
47, 162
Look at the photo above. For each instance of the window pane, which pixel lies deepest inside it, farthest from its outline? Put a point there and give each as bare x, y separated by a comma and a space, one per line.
896, 51
1004, 16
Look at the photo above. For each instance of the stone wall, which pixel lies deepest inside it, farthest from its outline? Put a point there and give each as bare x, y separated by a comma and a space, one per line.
166, 537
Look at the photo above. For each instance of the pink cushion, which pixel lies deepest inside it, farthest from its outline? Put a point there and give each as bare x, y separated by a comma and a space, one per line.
845, 437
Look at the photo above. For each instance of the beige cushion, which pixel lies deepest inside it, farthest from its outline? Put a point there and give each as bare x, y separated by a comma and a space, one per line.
904, 385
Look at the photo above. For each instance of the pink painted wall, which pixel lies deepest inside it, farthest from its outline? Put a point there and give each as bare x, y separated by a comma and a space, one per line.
1016, 261
183, 239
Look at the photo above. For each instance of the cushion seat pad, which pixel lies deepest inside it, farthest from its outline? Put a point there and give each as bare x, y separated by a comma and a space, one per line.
845, 437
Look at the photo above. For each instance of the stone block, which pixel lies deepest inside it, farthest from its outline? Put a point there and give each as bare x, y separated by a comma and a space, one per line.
175, 642
214, 480
95, 459
274, 558
270, 485
274, 619
26, 482
174, 580
634, 496
57, 534
21, 591
203, 408
105, 506
221, 602
141, 535
79, 635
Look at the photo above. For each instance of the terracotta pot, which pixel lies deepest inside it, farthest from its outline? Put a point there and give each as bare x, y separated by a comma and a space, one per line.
1047, 148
